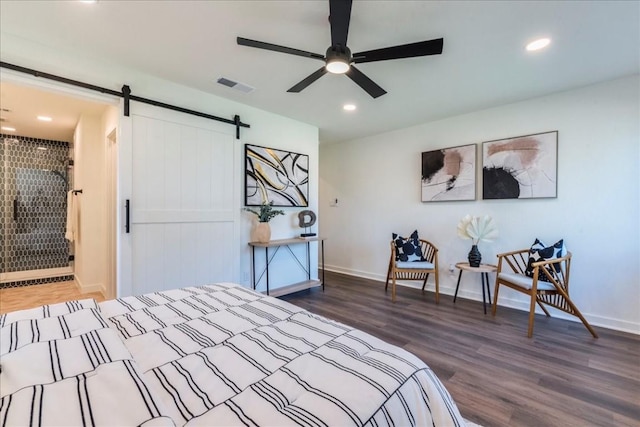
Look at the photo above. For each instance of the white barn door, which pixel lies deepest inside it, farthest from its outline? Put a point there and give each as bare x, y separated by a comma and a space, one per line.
183, 204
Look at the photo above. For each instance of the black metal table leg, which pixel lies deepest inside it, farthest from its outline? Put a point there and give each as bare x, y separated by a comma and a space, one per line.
486, 275
322, 244
457, 286
484, 302
308, 261
253, 263
266, 265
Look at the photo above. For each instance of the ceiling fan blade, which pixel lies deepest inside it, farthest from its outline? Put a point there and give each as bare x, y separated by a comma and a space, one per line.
308, 80
365, 82
339, 17
277, 48
411, 50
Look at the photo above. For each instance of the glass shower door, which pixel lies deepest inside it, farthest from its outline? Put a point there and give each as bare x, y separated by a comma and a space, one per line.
34, 205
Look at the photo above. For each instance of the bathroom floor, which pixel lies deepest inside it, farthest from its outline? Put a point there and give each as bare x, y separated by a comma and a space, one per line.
19, 298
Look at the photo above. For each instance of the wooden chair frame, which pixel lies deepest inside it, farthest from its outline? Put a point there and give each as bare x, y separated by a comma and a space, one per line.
557, 273
430, 253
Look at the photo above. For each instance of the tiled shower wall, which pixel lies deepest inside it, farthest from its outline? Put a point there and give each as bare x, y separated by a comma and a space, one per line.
35, 177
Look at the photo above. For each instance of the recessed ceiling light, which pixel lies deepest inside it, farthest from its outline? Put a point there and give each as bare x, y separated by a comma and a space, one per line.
88, 1
44, 118
43, 148
348, 107
8, 129
538, 44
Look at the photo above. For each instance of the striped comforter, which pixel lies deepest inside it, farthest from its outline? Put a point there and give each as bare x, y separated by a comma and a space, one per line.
63, 365
211, 355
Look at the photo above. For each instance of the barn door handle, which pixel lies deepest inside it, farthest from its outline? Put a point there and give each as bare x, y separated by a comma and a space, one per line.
127, 225
15, 209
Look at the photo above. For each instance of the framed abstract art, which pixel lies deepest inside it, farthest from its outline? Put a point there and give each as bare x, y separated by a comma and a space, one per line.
277, 176
449, 174
522, 167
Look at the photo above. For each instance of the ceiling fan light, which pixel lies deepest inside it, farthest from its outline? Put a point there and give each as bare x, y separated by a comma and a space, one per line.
338, 59
337, 66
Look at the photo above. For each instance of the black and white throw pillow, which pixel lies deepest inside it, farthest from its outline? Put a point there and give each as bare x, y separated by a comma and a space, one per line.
540, 252
408, 249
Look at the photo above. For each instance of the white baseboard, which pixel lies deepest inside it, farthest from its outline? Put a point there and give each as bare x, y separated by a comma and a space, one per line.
445, 283
593, 319
93, 287
447, 287
16, 276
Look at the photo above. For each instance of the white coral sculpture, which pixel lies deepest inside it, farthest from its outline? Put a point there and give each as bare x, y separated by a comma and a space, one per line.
477, 228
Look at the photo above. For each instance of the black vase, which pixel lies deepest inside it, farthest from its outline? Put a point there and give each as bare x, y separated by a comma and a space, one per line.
474, 256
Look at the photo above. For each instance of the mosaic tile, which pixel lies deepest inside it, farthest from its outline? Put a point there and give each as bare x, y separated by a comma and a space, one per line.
30, 282
33, 203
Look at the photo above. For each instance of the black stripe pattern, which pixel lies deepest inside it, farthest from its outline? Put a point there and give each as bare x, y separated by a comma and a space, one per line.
63, 365
214, 355
229, 356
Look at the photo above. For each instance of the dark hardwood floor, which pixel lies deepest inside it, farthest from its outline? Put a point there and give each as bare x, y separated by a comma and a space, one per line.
498, 377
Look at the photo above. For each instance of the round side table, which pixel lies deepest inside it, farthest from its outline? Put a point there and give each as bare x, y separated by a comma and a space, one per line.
484, 270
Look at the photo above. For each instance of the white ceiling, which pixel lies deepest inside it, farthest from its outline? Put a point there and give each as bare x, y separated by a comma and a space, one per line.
483, 64
21, 106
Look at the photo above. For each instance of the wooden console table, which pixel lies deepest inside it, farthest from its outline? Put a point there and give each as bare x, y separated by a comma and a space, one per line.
286, 243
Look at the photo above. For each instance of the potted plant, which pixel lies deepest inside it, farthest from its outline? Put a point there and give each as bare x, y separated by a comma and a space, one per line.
262, 230
477, 229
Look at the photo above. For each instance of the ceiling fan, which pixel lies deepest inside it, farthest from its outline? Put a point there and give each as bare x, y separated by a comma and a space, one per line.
338, 58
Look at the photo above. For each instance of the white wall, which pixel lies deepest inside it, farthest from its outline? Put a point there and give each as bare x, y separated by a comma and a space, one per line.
109, 123
274, 131
267, 129
88, 170
377, 183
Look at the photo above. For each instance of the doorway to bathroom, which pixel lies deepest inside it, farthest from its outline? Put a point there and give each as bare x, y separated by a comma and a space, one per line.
52, 142
35, 173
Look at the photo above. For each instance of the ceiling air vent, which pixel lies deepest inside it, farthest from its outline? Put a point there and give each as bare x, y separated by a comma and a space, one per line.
236, 85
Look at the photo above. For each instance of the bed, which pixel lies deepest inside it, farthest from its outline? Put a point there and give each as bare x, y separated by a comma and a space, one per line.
211, 355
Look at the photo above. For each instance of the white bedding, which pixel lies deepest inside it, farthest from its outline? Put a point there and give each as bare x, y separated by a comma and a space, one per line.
211, 355
62, 365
